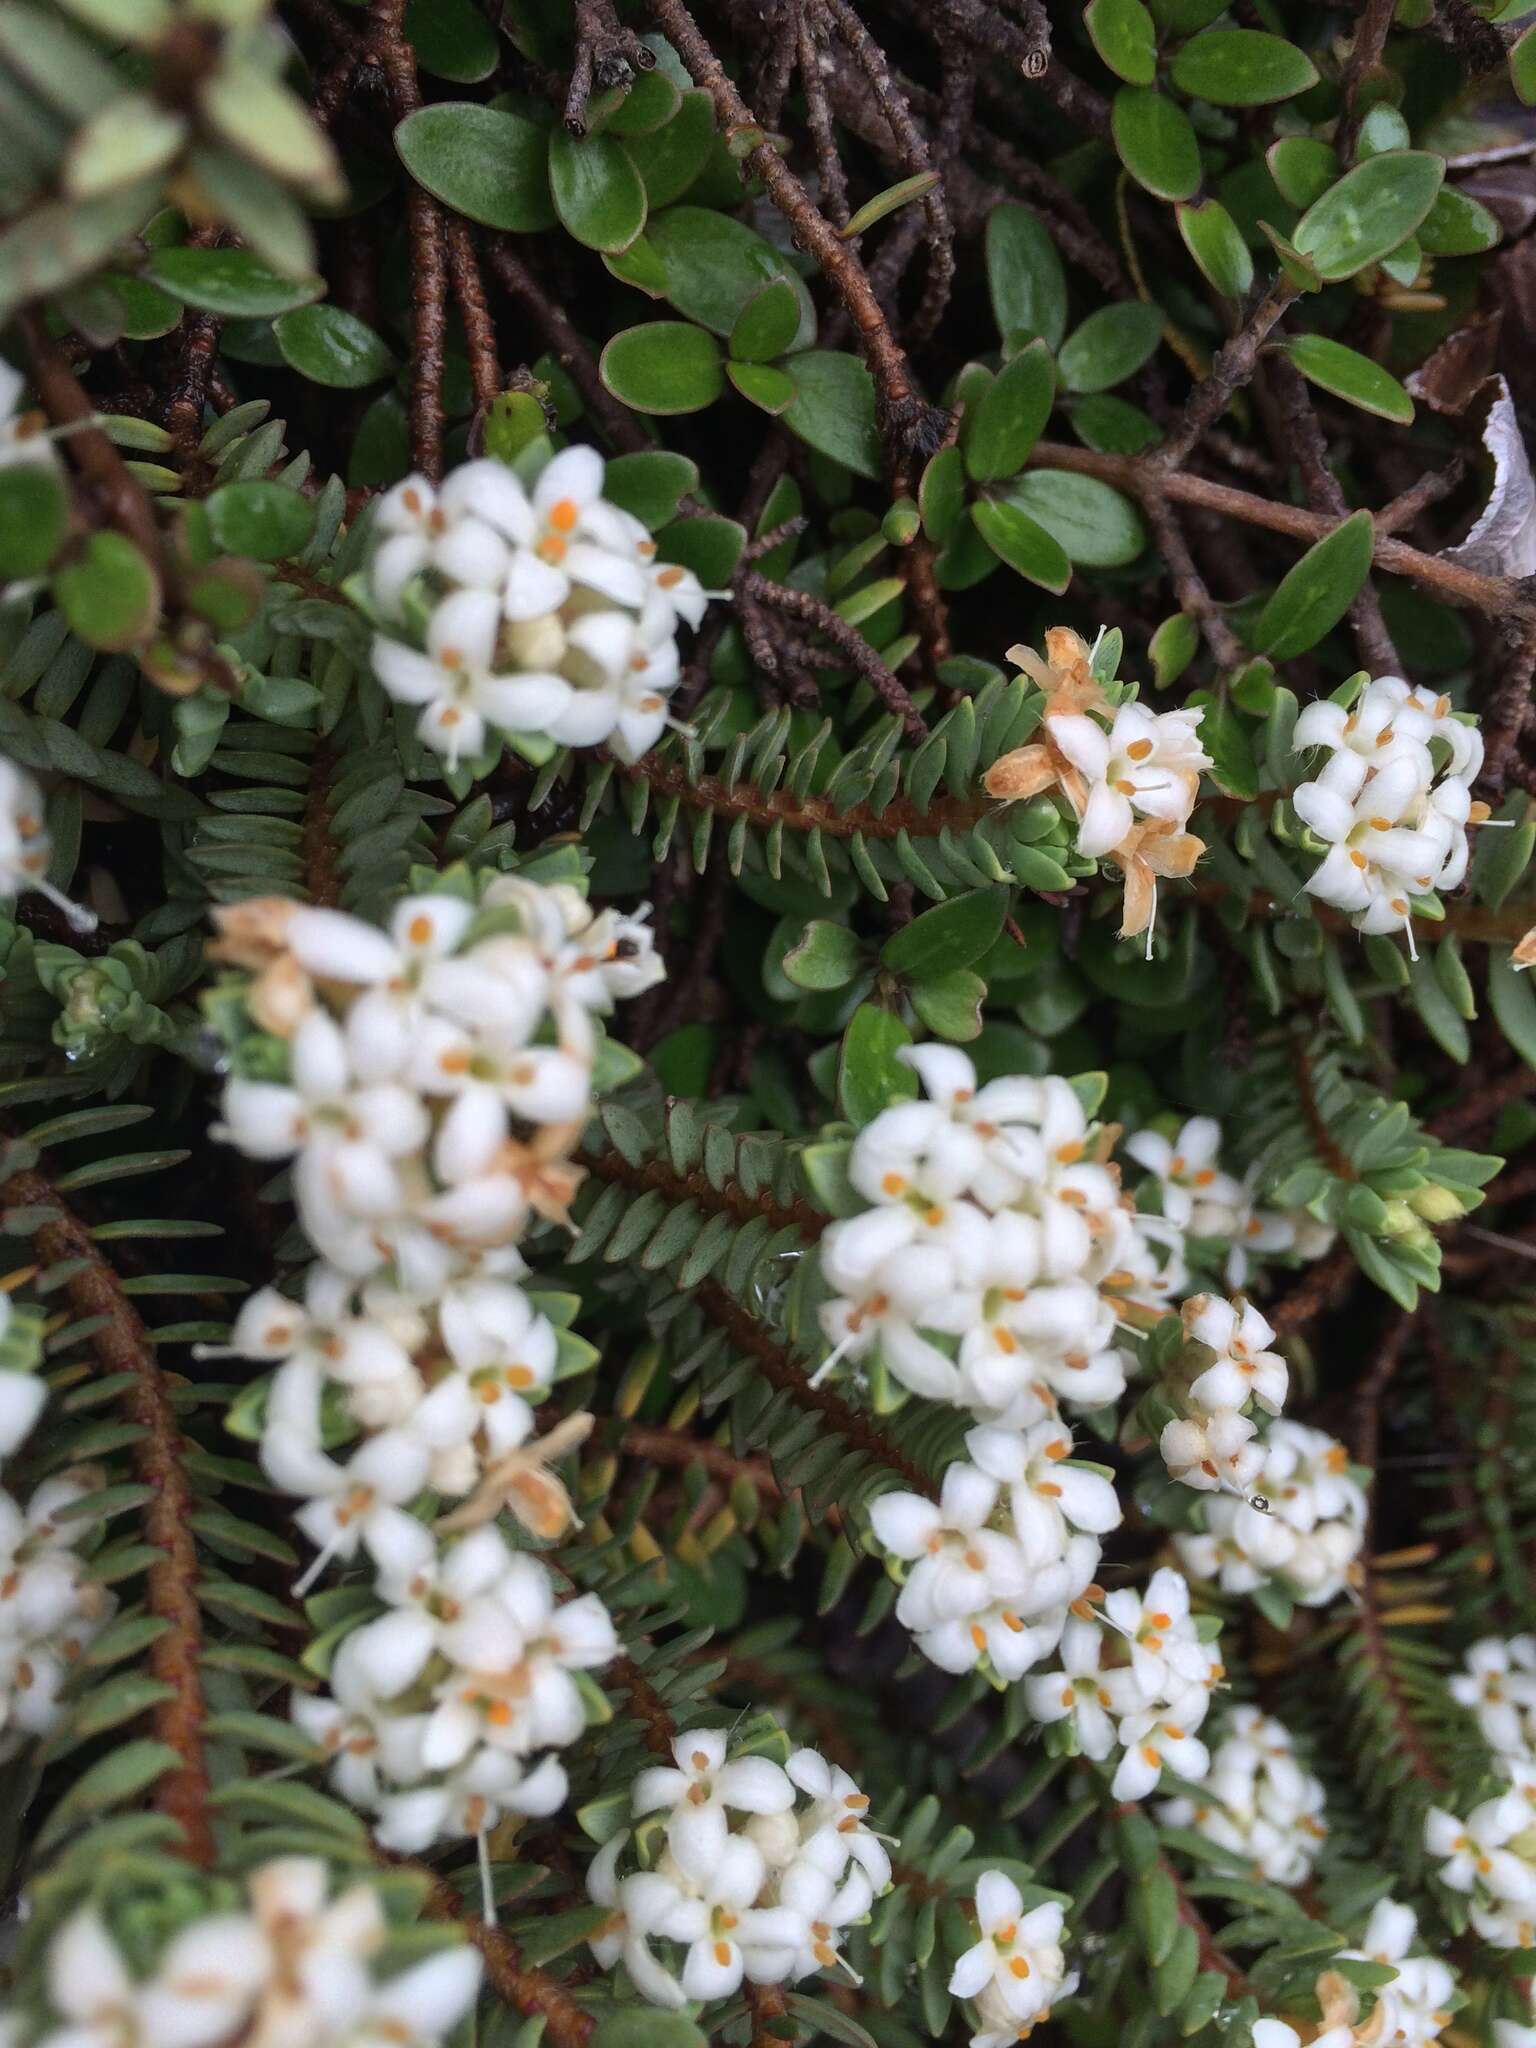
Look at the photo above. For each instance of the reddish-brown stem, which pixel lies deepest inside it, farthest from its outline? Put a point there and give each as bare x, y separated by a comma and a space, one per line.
533, 1992
469, 295
1231, 370
731, 1200
659, 1445
123, 1345
429, 251
568, 349
848, 640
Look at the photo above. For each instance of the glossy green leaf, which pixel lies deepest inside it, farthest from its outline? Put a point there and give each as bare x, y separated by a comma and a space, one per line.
664, 366
768, 323
332, 347
452, 39
229, 281
34, 513
1125, 36
1011, 415
950, 1004
1097, 525
827, 956
1458, 225
670, 159
649, 103
1112, 426
639, 266
1172, 648
833, 409
132, 136
258, 518
715, 265
598, 193
1382, 128
1023, 543
1156, 141
952, 934
941, 494
1368, 212
870, 1076
488, 164
1303, 167
643, 2027
1350, 376
1212, 238
764, 385
708, 544
1315, 594
1025, 277
1242, 67
650, 485
109, 593
1111, 345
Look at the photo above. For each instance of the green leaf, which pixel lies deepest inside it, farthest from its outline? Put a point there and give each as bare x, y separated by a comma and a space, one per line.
1125, 36
258, 518
952, 934
1316, 593
1458, 225
645, 2027
869, 1075
715, 265
950, 1004
1172, 648
1112, 426
902, 193
1513, 1002
271, 127
670, 160
598, 193
941, 494
1156, 141
1522, 67
1242, 67
1111, 345
650, 485
131, 137
1024, 276
229, 281
1350, 376
1213, 239
1023, 543
834, 409
488, 164
764, 384
1372, 209
332, 347
709, 545
1097, 526
827, 956
1225, 738
109, 593
34, 512
767, 324
452, 39
664, 366
649, 103
1011, 415
1303, 167
265, 216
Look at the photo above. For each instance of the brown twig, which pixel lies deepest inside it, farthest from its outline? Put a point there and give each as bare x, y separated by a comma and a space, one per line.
1370, 39
429, 251
469, 295
848, 640
1233, 367
567, 347
123, 1345
532, 1992
731, 1200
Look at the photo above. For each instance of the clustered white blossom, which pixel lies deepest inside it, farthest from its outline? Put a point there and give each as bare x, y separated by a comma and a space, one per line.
25, 845
542, 611
439, 1076
1416, 2006
50, 1607
1492, 1853
742, 1869
1216, 1446
1306, 1536
1257, 1799
1392, 801
1198, 1197
295, 1968
1015, 1972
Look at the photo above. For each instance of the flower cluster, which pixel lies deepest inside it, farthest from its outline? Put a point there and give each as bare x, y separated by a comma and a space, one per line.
25, 847
1491, 1857
1015, 1972
1216, 1446
1131, 775
1257, 1800
1498, 1685
1392, 802
1198, 1197
1416, 2006
294, 1966
438, 1076
1305, 1533
542, 612
743, 1869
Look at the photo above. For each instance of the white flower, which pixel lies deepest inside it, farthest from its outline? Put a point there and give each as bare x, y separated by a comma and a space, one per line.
1212, 1451
1256, 1800
23, 1396
1018, 1957
25, 847
1185, 1167
457, 682
202, 1989
960, 1565
1499, 1686
1273, 2033
701, 1788
1416, 2004
1159, 1738
1243, 1368
1147, 765
1077, 1691
1048, 1494
1475, 1852
1166, 1652
420, 2005
836, 1826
